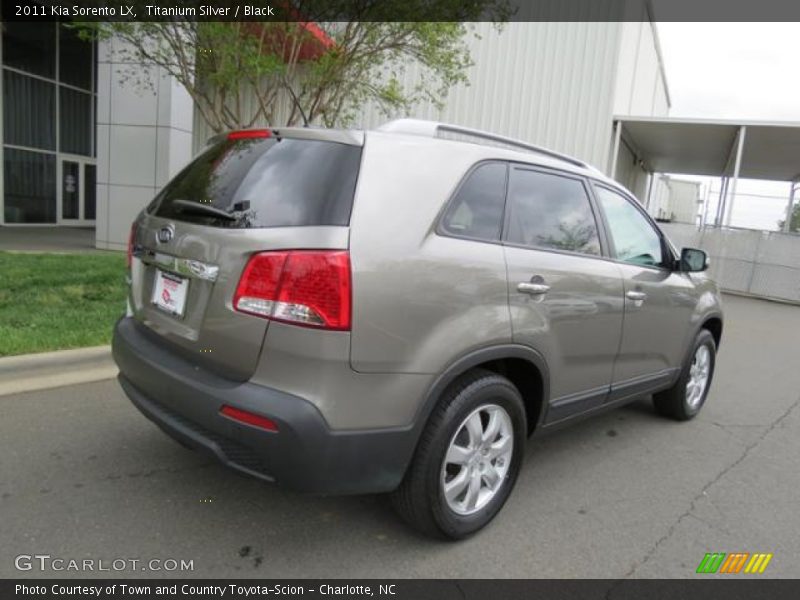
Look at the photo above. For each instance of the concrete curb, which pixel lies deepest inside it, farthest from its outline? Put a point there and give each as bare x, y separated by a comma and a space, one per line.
31, 372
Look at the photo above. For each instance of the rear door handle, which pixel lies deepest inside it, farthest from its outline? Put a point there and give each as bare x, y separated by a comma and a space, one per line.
636, 296
534, 289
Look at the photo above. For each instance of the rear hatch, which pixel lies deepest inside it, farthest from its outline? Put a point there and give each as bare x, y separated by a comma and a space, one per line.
248, 192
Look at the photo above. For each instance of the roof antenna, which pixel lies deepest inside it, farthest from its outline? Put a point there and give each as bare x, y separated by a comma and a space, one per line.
297, 104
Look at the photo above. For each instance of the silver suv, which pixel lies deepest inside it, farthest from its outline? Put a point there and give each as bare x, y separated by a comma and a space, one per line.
398, 310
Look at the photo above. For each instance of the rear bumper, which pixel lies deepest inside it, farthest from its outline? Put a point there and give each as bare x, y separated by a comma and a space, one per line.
304, 455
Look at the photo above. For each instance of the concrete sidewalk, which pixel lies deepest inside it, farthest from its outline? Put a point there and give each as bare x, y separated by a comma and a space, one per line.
47, 239
31, 372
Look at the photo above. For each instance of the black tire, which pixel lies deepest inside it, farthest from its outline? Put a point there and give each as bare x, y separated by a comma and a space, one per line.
673, 403
420, 500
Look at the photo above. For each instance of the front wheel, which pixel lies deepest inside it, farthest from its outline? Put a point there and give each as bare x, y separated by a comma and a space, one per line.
685, 399
468, 458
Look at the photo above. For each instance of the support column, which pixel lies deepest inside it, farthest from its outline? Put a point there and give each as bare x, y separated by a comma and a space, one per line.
706, 203
790, 206
736, 169
144, 137
649, 195
723, 191
612, 170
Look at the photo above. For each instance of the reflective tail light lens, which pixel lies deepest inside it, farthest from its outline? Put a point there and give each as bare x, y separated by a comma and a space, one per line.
131, 241
244, 416
303, 287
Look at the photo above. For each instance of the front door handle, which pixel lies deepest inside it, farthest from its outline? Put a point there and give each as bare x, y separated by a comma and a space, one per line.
534, 289
637, 297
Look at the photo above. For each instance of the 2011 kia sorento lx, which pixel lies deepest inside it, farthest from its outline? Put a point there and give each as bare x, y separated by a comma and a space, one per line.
398, 310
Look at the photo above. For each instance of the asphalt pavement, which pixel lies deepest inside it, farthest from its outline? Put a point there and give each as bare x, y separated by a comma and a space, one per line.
627, 494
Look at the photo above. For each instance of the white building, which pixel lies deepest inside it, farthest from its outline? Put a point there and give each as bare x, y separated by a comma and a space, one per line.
676, 200
556, 84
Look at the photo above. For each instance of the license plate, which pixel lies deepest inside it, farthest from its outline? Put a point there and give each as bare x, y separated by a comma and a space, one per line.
169, 293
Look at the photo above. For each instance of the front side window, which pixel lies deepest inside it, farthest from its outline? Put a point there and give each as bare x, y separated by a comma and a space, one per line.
477, 209
635, 240
551, 211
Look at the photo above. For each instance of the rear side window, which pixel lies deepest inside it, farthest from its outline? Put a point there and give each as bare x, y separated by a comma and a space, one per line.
265, 182
477, 208
550, 211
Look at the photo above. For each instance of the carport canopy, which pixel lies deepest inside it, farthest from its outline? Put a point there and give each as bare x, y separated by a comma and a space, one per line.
716, 148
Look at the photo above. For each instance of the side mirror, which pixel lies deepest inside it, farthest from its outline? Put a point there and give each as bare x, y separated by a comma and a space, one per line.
693, 260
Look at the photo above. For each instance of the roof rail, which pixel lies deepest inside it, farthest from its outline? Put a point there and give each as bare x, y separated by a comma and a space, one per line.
435, 129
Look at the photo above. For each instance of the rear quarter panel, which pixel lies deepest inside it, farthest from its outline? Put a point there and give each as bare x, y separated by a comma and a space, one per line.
420, 300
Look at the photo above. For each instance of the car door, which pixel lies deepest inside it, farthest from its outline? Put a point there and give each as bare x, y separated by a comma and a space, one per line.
565, 297
659, 301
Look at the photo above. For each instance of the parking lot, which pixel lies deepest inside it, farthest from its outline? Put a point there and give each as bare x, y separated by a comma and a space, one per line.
626, 494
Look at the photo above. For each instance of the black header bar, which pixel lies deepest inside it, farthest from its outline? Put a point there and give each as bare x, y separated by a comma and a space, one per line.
402, 10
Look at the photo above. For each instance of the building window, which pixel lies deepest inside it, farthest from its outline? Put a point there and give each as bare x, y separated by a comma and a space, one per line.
75, 121
31, 47
48, 108
29, 111
75, 59
90, 198
30, 186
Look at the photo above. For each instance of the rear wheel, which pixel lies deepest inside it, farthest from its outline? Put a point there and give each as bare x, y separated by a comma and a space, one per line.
685, 399
468, 458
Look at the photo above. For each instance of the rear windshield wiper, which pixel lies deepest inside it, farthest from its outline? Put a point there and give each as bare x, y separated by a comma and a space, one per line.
187, 206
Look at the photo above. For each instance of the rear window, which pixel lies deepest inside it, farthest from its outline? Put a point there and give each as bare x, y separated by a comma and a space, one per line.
265, 182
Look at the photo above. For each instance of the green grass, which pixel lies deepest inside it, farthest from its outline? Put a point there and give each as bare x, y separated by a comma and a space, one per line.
59, 301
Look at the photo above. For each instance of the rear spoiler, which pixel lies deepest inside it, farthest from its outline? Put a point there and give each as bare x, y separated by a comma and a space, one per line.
350, 137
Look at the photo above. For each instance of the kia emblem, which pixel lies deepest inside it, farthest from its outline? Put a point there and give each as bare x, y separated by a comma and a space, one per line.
166, 233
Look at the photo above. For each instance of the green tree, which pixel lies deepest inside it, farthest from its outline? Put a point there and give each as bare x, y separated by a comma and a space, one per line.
242, 73
794, 223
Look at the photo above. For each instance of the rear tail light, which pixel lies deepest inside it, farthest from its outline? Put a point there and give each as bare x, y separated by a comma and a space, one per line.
131, 242
244, 416
306, 287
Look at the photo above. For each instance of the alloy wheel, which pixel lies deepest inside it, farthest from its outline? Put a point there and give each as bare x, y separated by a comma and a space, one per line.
477, 459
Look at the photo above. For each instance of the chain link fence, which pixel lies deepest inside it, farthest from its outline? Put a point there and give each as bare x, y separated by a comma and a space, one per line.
758, 263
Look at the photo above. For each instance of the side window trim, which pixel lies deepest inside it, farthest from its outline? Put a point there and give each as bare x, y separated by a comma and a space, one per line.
666, 251
441, 230
601, 234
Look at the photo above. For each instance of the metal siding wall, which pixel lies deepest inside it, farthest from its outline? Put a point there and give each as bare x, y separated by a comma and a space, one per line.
645, 80
552, 83
640, 88
630, 35
660, 105
544, 82
630, 174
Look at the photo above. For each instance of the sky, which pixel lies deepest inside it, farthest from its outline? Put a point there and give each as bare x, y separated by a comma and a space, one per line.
736, 71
